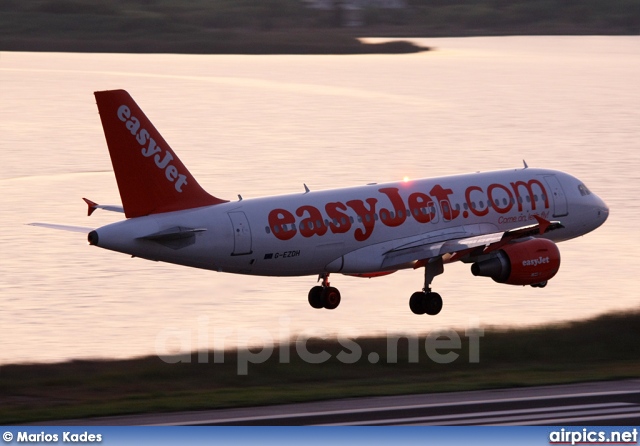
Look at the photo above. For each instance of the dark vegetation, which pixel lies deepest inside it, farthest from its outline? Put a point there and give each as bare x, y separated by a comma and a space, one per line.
288, 26
604, 348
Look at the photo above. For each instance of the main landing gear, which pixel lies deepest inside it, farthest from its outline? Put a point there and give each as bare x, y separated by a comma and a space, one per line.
426, 301
421, 302
324, 296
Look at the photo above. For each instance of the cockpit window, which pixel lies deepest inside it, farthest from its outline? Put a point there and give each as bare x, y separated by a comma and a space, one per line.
583, 190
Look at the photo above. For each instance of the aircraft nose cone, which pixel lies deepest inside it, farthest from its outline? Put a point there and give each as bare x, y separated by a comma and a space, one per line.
604, 213
604, 209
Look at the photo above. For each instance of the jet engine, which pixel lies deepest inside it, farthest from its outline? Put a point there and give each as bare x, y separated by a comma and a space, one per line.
532, 262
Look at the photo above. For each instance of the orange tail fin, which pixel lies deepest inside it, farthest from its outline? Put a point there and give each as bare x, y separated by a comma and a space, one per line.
151, 179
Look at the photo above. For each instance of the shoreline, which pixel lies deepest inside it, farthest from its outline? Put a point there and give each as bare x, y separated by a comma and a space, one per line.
290, 26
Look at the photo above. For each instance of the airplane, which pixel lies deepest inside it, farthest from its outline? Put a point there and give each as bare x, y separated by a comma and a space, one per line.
505, 223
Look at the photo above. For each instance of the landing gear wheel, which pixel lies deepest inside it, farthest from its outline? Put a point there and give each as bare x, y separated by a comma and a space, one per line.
416, 302
315, 297
331, 298
432, 304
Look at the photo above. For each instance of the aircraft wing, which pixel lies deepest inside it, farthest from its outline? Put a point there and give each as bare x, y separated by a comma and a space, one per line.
456, 246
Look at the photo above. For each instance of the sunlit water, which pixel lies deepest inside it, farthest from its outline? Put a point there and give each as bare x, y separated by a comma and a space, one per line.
261, 125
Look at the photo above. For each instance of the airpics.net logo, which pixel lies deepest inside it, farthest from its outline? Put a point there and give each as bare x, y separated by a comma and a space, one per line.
588, 436
198, 342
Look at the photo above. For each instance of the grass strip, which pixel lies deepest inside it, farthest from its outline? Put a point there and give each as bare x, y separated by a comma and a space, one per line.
603, 348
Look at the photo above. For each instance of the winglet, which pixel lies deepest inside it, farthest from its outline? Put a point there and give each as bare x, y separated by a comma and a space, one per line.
543, 223
92, 206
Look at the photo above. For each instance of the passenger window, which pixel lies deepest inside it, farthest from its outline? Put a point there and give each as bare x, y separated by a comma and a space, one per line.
267, 230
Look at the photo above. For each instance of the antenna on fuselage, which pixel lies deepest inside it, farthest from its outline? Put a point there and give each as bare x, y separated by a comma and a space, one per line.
526, 166
306, 189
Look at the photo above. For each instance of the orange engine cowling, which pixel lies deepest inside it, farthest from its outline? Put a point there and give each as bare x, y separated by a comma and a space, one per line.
526, 263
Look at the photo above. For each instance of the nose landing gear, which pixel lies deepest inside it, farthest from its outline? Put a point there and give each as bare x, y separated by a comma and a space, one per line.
324, 296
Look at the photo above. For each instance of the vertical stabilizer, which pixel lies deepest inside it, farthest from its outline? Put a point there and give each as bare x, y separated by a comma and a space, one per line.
151, 178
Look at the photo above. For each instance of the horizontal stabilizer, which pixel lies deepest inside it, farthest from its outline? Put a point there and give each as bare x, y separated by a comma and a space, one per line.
81, 229
107, 207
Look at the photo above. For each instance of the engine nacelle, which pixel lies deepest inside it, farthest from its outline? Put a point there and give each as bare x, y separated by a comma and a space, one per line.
526, 263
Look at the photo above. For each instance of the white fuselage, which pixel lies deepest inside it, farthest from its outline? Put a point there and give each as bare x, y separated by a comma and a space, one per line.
349, 230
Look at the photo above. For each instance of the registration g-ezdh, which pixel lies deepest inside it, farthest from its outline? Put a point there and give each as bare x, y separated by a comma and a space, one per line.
505, 224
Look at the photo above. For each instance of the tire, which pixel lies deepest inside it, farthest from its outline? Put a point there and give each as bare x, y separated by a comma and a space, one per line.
416, 302
331, 298
432, 304
315, 297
